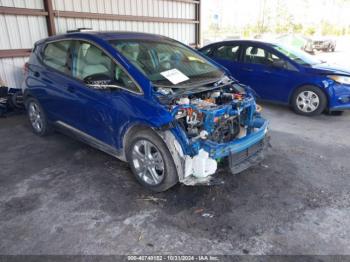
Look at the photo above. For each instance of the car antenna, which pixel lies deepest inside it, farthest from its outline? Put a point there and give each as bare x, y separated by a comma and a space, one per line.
81, 29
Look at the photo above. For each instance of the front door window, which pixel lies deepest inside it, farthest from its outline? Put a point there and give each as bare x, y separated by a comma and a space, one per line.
93, 66
260, 56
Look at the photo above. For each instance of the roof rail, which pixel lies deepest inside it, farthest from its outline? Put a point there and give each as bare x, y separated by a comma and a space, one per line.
81, 29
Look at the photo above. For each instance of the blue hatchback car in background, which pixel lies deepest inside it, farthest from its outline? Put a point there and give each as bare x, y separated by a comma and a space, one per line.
146, 99
285, 75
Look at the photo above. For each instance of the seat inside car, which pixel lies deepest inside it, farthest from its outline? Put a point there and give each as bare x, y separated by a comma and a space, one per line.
56, 56
255, 55
93, 62
148, 62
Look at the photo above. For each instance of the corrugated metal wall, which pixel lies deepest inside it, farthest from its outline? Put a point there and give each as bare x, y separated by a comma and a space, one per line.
153, 8
23, 3
21, 31
17, 32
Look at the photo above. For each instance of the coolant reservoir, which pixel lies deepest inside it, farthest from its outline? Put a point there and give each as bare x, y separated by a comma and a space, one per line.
183, 101
203, 165
215, 94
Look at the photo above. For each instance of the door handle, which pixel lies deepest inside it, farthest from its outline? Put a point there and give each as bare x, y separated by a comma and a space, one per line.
36, 74
247, 69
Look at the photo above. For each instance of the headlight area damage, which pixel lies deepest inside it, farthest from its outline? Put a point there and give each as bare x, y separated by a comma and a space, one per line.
214, 126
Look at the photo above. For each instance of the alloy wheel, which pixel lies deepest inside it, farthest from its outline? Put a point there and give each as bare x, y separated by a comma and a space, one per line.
35, 117
148, 162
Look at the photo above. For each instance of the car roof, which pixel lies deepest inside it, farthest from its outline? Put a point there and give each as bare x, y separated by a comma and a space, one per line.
111, 35
242, 41
107, 35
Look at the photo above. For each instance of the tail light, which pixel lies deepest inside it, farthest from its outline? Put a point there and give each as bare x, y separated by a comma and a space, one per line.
26, 69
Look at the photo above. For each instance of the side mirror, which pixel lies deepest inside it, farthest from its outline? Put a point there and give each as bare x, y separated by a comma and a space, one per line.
96, 79
278, 64
100, 82
104, 87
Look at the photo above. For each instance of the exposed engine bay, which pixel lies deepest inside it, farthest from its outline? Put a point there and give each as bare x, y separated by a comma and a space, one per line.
215, 115
224, 128
216, 122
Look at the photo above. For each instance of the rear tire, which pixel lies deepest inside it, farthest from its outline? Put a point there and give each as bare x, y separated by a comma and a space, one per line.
309, 101
37, 117
151, 161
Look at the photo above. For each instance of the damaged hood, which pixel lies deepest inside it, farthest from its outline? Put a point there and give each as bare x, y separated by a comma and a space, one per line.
166, 93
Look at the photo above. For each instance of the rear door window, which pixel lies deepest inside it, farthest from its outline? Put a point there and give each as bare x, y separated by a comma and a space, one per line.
255, 55
57, 55
226, 52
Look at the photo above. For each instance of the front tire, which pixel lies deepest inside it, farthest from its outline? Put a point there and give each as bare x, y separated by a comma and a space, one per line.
37, 117
151, 161
309, 101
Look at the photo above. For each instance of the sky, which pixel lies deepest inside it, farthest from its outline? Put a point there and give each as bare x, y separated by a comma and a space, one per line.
242, 12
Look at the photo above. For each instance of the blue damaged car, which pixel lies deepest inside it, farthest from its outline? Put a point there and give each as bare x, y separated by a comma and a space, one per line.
168, 111
285, 75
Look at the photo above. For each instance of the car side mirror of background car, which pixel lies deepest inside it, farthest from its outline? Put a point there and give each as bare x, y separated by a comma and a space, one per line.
278, 64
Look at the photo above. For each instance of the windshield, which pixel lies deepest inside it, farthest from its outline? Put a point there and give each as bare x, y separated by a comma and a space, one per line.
167, 63
297, 56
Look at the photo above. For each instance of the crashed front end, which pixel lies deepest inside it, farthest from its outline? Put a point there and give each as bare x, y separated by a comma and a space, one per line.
212, 125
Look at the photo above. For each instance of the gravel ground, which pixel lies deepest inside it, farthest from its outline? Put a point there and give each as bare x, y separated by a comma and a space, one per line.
59, 196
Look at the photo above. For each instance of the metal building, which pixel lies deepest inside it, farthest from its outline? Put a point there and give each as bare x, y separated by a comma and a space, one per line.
22, 22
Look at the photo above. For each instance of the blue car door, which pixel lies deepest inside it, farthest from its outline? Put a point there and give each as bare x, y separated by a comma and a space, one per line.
270, 75
53, 88
92, 68
99, 83
228, 55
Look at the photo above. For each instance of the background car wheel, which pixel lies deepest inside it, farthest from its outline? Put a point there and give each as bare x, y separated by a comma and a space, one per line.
151, 161
37, 117
309, 101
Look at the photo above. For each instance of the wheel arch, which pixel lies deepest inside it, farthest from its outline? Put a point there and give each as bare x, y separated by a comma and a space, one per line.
292, 92
167, 137
132, 129
27, 95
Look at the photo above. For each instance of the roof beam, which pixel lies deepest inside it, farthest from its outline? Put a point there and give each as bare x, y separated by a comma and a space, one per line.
188, 1
22, 11
86, 15
7, 53
51, 28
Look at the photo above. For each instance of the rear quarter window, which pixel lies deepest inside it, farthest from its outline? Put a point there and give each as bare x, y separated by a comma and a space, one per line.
57, 55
